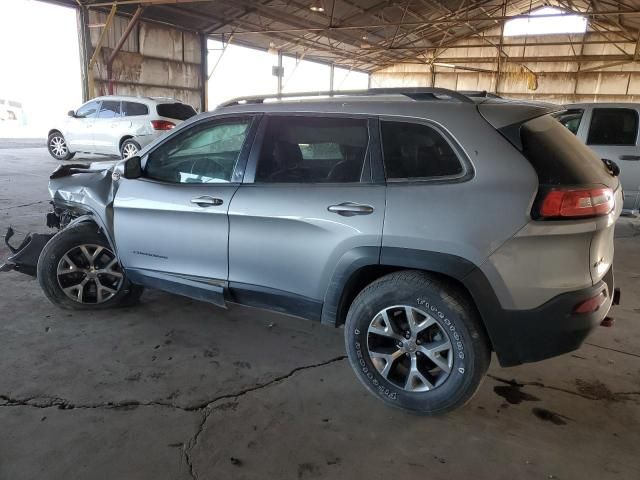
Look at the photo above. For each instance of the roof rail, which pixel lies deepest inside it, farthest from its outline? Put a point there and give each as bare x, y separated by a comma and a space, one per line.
416, 93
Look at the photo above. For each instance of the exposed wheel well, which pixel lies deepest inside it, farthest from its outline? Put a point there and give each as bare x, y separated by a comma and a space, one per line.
368, 274
122, 140
54, 130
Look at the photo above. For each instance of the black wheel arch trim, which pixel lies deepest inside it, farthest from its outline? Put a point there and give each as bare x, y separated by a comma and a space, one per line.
512, 333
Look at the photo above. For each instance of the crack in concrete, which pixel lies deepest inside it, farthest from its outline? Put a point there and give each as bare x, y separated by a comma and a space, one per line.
205, 407
515, 383
24, 205
612, 349
208, 408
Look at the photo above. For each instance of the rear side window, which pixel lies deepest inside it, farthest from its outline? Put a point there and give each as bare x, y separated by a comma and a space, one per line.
416, 151
134, 109
109, 109
300, 149
558, 157
613, 126
176, 111
570, 119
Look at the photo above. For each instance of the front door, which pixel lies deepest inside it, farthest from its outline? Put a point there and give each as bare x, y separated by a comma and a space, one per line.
308, 206
79, 135
171, 227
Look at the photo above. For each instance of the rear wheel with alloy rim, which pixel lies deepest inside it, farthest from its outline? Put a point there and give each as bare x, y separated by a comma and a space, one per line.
129, 148
57, 146
416, 342
78, 270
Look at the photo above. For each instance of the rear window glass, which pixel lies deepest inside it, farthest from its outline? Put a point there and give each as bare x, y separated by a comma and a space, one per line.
613, 126
134, 109
415, 151
177, 111
570, 119
558, 157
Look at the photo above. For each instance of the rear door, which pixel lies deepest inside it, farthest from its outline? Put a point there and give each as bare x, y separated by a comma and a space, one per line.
308, 206
613, 133
107, 128
171, 225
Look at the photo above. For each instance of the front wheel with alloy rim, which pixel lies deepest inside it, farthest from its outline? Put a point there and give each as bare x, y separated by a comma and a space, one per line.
415, 340
129, 148
78, 270
58, 148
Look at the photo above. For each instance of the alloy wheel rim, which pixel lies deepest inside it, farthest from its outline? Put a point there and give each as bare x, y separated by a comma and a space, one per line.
58, 146
89, 274
409, 348
129, 150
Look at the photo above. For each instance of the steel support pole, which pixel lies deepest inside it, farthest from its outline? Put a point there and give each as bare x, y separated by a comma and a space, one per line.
332, 73
279, 73
84, 45
204, 72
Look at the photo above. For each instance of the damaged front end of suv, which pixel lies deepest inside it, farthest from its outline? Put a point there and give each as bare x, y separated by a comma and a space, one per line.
80, 193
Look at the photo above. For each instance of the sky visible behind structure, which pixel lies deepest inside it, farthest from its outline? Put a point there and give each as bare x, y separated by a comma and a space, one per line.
39, 62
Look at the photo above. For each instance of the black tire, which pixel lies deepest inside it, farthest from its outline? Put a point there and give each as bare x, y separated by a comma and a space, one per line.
468, 358
58, 148
69, 241
129, 143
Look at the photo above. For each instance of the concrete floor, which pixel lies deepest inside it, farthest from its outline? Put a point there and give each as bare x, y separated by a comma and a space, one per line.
176, 389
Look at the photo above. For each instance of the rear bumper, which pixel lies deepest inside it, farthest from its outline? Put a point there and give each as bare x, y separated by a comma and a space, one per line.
523, 336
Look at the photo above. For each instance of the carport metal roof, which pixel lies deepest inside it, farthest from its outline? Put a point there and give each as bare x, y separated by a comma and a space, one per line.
366, 34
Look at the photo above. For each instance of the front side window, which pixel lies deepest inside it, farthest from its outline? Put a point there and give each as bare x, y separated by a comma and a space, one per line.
570, 119
613, 126
109, 109
205, 153
299, 149
417, 151
90, 110
134, 109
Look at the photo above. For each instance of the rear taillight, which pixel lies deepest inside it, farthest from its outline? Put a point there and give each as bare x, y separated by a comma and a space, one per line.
162, 124
591, 305
574, 202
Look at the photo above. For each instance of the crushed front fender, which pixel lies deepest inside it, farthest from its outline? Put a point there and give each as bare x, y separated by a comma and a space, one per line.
24, 257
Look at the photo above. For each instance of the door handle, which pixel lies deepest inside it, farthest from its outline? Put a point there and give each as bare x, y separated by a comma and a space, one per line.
207, 201
629, 157
349, 209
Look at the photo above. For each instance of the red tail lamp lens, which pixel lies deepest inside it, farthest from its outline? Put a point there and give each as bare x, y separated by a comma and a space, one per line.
162, 125
591, 304
590, 202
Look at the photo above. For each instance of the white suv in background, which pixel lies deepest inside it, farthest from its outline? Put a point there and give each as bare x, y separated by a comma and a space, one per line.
115, 125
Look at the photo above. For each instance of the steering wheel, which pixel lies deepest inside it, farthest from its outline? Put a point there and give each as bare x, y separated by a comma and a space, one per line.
290, 174
209, 160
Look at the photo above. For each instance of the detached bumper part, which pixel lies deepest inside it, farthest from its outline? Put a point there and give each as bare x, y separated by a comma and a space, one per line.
24, 257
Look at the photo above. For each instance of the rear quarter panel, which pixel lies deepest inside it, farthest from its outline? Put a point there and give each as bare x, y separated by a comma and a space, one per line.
472, 218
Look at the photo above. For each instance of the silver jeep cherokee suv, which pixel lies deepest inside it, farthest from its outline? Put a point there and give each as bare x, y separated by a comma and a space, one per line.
435, 227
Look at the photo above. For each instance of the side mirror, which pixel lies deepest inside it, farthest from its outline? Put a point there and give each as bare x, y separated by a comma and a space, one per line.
132, 168
71, 113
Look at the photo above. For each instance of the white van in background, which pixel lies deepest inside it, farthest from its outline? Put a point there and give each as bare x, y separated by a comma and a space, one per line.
611, 130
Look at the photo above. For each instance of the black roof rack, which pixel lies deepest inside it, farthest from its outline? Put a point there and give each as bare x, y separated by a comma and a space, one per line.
478, 94
416, 93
